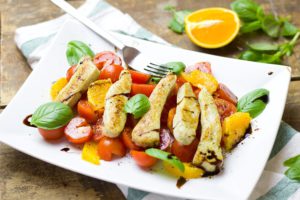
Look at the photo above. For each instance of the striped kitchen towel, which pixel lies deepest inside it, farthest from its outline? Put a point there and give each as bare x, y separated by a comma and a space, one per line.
34, 40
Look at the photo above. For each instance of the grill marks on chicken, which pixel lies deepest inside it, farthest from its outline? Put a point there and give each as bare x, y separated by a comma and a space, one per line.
114, 117
186, 118
146, 132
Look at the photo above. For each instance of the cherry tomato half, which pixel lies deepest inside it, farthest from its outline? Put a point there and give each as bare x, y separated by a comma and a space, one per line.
108, 147
185, 153
112, 72
145, 89
225, 108
106, 58
127, 140
78, 131
142, 159
139, 77
202, 66
70, 72
224, 92
98, 129
52, 134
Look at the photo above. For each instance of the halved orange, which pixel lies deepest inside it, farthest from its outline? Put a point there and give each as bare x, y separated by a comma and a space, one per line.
212, 27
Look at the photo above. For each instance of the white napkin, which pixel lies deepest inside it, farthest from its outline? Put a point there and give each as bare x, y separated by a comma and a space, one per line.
34, 40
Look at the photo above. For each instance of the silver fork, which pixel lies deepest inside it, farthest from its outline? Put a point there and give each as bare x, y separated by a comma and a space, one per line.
132, 56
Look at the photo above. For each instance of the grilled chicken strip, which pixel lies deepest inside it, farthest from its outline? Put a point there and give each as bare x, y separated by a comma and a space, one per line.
146, 132
209, 153
186, 118
85, 74
114, 117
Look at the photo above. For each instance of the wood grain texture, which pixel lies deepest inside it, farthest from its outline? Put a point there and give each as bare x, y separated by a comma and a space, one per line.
28, 178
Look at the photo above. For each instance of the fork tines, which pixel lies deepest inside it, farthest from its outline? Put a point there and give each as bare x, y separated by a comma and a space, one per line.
157, 70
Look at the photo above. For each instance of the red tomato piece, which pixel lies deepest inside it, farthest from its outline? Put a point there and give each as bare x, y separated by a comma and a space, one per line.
112, 72
106, 58
78, 131
142, 159
166, 139
108, 147
86, 111
52, 134
70, 72
98, 130
185, 153
180, 81
202, 66
225, 108
225, 93
127, 140
145, 89
139, 77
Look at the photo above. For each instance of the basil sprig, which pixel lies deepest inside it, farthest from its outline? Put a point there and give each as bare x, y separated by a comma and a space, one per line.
254, 102
76, 50
176, 67
254, 18
177, 22
166, 156
293, 171
137, 105
51, 115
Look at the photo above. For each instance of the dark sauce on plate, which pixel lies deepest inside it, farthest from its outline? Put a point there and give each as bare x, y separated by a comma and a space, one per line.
66, 149
27, 122
180, 182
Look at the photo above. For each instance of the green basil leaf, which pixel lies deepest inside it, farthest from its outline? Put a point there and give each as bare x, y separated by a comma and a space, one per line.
176, 27
271, 58
246, 9
263, 46
176, 67
166, 156
137, 105
293, 173
250, 55
51, 115
154, 80
289, 29
250, 27
76, 50
180, 15
271, 26
253, 102
292, 161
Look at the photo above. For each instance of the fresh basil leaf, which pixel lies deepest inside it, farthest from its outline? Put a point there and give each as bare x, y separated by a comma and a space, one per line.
271, 58
180, 15
76, 50
288, 29
154, 80
176, 27
166, 156
250, 55
293, 173
176, 67
263, 46
253, 102
271, 26
246, 9
292, 161
51, 115
250, 27
137, 105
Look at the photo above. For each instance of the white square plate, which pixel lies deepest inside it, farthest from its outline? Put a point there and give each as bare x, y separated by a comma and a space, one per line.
242, 168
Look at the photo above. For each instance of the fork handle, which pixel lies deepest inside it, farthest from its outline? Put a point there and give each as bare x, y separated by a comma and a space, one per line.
88, 23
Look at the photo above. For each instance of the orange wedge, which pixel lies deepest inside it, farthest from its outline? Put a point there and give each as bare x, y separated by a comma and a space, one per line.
212, 27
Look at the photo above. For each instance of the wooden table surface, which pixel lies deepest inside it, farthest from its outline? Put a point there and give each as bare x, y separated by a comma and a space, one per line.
28, 178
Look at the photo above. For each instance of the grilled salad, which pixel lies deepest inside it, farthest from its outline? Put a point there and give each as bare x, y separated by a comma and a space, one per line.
186, 119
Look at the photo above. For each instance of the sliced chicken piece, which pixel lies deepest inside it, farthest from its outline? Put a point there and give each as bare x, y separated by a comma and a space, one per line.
209, 152
186, 118
114, 117
85, 74
146, 132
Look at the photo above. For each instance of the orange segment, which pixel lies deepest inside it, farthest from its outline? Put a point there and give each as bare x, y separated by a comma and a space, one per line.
212, 27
